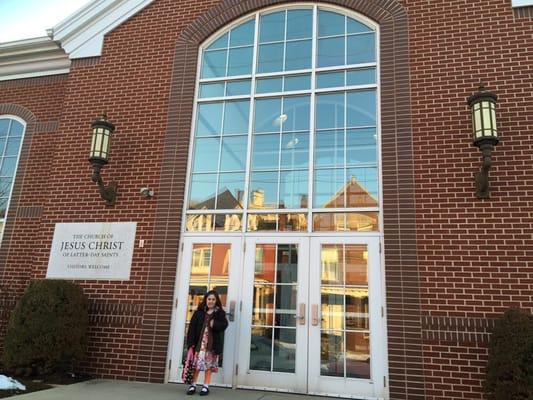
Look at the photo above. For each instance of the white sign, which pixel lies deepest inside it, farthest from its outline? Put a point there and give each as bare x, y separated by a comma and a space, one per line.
99, 250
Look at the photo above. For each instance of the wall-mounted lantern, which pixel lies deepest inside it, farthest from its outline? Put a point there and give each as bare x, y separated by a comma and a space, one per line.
102, 132
485, 134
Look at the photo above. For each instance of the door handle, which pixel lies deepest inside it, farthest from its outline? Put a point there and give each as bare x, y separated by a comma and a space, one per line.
314, 314
231, 313
301, 314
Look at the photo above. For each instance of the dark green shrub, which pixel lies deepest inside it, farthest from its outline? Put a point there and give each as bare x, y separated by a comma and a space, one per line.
510, 366
47, 331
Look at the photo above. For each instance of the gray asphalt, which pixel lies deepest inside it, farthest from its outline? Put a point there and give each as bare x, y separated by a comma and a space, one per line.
103, 389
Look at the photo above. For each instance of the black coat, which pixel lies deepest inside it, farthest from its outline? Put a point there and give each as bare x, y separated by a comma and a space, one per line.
220, 323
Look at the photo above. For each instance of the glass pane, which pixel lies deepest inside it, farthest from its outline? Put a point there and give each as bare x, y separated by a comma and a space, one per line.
356, 308
331, 52
261, 349
2, 145
267, 115
270, 85
329, 222
201, 260
243, 34
272, 27
262, 222
298, 82
199, 223
330, 79
233, 156
220, 264
236, 116
356, 26
230, 191
329, 188
202, 193
361, 146
220, 43
284, 350
211, 90
287, 271
361, 49
361, 108
356, 265
197, 290
331, 264
4, 127
330, 111
13, 146
206, 154
270, 58
295, 150
296, 112
331, 354
264, 190
362, 222
214, 64
332, 303
265, 265
238, 88
298, 55
5, 186
228, 222
292, 222
299, 24
3, 209
357, 355
293, 189
329, 149
263, 305
8, 166
16, 128
209, 119
361, 77
362, 187
286, 305
265, 152
330, 23
240, 61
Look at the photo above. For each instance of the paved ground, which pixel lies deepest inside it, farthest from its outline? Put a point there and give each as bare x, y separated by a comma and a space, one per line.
102, 389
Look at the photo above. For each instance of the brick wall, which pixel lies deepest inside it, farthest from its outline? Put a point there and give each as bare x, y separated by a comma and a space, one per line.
448, 277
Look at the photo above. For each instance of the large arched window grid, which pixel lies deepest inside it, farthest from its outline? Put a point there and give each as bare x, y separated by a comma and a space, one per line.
286, 129
11, 136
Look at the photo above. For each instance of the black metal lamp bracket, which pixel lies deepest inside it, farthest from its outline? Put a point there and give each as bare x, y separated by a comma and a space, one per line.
108, 192
482, 177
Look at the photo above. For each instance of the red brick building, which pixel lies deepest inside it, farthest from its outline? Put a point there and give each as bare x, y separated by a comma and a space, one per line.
313, 161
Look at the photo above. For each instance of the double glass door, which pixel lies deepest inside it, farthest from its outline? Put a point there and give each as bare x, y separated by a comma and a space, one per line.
305, 313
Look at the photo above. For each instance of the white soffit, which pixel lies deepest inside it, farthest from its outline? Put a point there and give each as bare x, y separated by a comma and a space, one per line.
82, 34
522, 3
32, 57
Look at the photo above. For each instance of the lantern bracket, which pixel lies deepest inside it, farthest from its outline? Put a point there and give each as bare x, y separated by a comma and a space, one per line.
107, 192
482, 177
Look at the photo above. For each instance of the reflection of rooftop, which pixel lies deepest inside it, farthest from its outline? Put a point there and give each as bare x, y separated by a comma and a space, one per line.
356, 196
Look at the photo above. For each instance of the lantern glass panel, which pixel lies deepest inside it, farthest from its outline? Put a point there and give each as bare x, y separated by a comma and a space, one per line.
486, 119
493, 118
477, 121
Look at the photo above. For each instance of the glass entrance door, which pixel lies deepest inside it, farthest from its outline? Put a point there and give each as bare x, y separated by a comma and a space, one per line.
273, 341
346, 341
207, 263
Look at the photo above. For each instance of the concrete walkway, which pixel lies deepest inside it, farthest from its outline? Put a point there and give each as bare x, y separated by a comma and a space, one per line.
103, 389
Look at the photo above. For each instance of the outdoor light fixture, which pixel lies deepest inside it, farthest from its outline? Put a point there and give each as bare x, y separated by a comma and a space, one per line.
483, 106
102, 131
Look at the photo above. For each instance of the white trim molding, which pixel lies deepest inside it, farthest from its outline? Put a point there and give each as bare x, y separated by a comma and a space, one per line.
82, 34
522, 3
32, 57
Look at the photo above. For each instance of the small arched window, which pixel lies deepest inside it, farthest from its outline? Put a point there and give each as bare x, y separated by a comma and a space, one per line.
11, 135
286, 124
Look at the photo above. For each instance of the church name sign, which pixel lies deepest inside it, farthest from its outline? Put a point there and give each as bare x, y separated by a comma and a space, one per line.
101, 250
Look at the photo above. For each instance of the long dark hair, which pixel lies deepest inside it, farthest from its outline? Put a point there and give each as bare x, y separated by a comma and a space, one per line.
203, 304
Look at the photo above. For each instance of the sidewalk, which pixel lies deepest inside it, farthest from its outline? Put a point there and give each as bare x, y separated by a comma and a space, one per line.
102, 389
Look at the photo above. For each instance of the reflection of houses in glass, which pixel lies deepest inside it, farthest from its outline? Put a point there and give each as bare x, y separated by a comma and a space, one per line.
222, 222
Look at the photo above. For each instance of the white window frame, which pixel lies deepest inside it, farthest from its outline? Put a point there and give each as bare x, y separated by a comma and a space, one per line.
24, 126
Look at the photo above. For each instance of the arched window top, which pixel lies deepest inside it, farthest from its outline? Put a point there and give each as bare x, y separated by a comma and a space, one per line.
289, 39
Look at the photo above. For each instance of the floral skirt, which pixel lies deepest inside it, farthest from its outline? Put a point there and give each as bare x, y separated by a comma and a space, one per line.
205, 360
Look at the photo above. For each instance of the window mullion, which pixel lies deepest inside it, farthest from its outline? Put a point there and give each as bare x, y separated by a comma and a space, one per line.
251, 119
312, 111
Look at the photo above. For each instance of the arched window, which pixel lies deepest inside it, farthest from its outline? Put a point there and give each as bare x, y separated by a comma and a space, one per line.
11, 134
286, 128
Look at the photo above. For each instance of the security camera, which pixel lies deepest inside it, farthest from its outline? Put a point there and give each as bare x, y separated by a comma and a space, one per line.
147, 192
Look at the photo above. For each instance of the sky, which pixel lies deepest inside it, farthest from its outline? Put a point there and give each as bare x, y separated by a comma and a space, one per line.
24, 19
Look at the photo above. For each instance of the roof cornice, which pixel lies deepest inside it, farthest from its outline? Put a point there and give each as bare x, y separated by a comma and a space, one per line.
82, 34
32, 57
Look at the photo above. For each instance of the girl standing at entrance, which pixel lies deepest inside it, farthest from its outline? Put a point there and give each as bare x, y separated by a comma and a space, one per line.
206, 337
